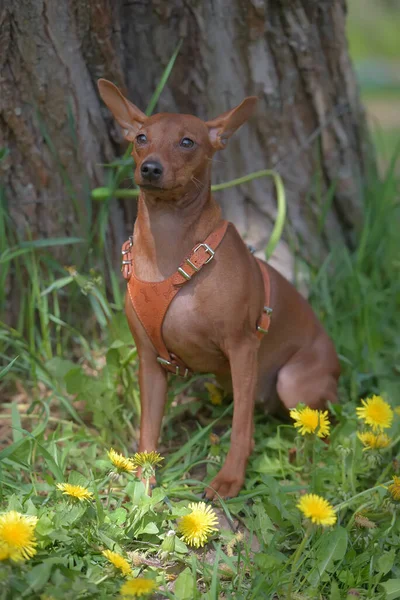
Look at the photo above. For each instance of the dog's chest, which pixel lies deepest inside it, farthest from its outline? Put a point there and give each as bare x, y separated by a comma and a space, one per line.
194, 333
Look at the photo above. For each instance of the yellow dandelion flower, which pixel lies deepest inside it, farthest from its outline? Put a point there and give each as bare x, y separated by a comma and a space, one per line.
140, 586
197, 525
147, 459
17, 536
118, 561
120, 462
317, 509
376, 413
75, 491
394, 488
374, 441
215, 393
308, 420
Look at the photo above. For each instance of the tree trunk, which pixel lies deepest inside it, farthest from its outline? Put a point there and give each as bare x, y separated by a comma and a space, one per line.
292, 54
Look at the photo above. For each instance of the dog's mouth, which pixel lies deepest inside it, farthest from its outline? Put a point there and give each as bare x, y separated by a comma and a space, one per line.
150, 186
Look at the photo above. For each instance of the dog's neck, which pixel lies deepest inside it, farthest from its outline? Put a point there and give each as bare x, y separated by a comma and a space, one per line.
166, 230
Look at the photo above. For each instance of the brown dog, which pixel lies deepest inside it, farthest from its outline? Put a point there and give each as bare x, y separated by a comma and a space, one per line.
198, 299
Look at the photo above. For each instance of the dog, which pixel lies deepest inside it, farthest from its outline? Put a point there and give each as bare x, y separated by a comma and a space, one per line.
198, 300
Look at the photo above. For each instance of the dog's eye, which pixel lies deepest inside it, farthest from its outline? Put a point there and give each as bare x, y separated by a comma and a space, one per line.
141, 138
186, 143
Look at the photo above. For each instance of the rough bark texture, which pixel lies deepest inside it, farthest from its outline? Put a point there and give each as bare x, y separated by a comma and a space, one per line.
292, 54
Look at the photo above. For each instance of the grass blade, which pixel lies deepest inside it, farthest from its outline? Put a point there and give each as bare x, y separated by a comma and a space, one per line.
161, 84
6, 369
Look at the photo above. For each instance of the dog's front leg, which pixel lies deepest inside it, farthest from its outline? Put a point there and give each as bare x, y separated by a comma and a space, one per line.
243, 363
153, 395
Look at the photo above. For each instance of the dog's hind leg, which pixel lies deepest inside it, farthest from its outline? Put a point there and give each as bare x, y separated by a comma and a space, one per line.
310, 376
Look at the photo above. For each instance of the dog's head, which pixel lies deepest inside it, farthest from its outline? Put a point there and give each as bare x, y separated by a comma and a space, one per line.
171, 151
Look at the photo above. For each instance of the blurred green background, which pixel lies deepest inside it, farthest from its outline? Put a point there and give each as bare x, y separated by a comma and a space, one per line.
373, 29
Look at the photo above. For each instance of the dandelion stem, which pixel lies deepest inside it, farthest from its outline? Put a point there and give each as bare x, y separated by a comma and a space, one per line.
395, 442
101, 580
385, 472
108, 494
344, 475
294, 560
392, 523
359, 495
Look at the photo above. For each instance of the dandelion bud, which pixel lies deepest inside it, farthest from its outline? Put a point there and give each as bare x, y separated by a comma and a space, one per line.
168, 545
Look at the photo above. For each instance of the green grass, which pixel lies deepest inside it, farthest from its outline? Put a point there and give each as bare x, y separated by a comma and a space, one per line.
74, 357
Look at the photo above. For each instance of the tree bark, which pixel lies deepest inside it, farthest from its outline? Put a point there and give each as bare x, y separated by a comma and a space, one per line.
292, 54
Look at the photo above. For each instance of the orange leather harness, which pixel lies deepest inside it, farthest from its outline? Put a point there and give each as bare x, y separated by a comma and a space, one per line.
151, 300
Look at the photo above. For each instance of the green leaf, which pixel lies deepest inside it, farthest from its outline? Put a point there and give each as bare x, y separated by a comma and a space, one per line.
9, 450
16, 423
68, 513
157, 496
385, 562
180, 547
184, 586
335, 592
51, 463
77, 381
4, 371
151, 529
392, 589
118, 516
45, 525
214, 587
135, 490
39, 575
59, 367
268, 561
263, 523
58, 284
267, 464
332, 546
49, 242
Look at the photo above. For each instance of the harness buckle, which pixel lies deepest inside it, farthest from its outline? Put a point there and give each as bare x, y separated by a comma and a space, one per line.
211, 253
207, 248
130, 240
268, 312
261, 330
166, 363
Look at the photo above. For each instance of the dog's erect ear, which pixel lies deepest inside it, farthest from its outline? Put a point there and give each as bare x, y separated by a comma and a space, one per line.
127, 114
221, 128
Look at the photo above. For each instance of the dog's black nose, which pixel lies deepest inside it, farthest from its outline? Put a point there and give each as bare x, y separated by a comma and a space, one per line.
151, 170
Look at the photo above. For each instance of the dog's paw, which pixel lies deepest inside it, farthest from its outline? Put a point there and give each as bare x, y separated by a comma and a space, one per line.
227, 484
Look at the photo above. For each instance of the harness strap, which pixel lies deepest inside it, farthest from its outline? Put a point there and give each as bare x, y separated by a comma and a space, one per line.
265, 320
151, 300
